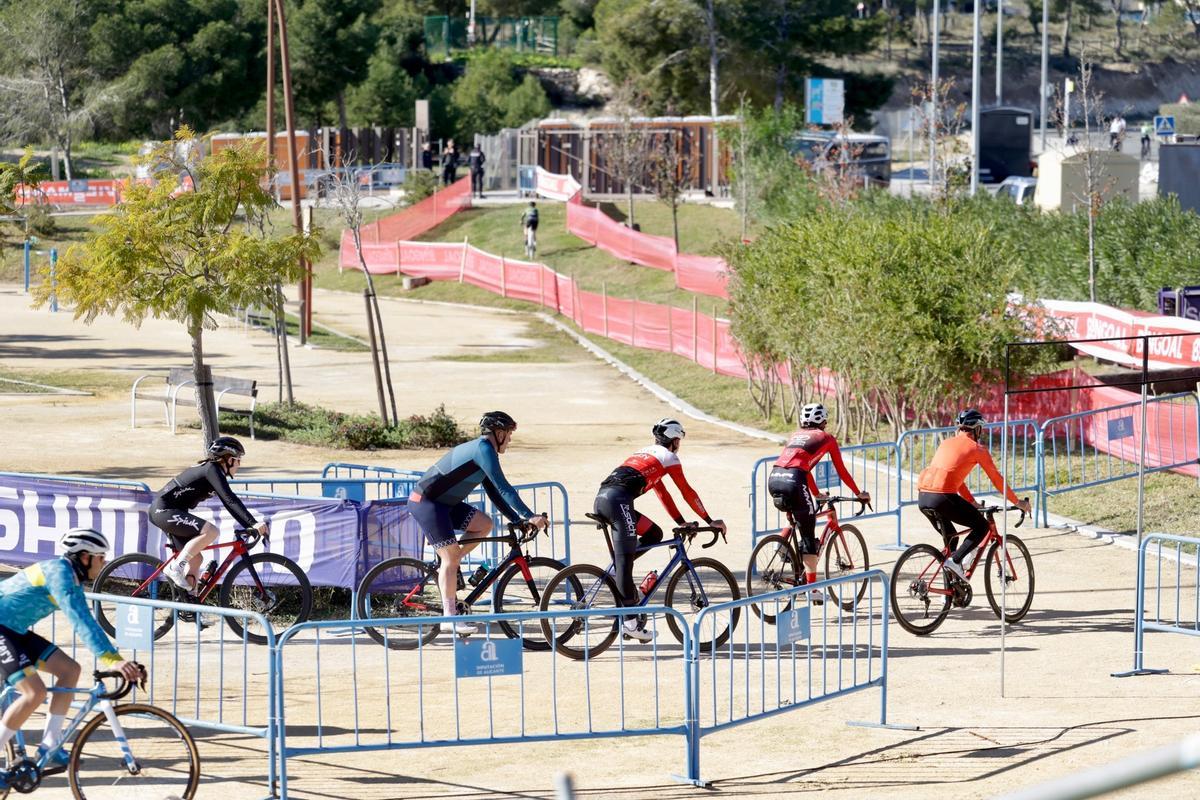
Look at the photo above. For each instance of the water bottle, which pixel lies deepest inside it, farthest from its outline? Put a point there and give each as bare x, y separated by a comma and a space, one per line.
649, 581
209, 569
480, 573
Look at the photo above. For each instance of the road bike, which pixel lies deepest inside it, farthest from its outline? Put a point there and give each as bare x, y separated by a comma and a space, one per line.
692, 584
776, 563
129, 751
923, 590
408, 587
265, 583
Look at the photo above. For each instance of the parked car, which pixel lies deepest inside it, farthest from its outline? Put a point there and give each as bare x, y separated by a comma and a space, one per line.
1019, 189
861, 154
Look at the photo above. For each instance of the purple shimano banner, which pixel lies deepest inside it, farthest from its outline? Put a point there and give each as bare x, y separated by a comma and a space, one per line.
34, 513
389, 531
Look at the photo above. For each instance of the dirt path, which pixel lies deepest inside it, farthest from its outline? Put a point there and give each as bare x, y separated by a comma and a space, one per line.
1061, 711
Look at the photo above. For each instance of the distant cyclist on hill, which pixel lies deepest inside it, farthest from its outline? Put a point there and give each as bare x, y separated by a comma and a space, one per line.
641, 472
437, 502
943, 494
171, 508
27, 598
529, 223
793, 487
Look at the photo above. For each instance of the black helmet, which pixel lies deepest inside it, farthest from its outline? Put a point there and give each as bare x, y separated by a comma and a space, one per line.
496, 421
971, 418
667, 430
225, 446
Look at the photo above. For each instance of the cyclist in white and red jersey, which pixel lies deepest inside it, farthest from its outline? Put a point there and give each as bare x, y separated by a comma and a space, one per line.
793, 487
642, 471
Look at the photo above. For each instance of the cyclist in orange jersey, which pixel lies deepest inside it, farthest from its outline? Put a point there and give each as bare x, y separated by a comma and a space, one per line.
943, 494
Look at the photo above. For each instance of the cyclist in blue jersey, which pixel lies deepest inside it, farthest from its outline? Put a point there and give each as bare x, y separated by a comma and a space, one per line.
30, 596
437, 502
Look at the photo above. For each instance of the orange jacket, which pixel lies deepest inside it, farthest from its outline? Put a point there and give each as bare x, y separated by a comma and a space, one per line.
953, 462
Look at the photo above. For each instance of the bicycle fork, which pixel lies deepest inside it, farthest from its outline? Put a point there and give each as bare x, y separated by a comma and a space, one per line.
131, 764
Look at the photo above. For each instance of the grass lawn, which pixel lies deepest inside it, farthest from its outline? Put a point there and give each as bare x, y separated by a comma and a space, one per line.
81, 380
1172, 505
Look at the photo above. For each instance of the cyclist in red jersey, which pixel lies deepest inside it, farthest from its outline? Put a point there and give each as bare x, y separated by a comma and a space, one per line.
793, 487
642, 471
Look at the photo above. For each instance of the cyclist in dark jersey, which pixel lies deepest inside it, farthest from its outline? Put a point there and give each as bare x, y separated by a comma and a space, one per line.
171, 508
793, 487
437, 502
641, 472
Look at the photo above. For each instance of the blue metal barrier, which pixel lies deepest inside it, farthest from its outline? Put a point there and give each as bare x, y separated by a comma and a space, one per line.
341, 470
207, 677
812, 654
361, 489
873, 467
915, 450
419, 698
1067, 462
80, 480
1179, 616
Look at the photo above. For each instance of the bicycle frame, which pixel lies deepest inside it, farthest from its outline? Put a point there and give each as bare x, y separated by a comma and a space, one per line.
239, 550
515, 555
94, 702
678, 560
975, 557
832, 525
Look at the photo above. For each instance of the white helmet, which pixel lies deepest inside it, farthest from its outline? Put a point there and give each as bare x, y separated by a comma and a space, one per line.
667, 430
813, 415
83, 540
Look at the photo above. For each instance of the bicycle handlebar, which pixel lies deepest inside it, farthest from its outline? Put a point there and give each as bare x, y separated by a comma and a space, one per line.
124, 687
249, 536
690, 529
863, 505
524, 531
989, 510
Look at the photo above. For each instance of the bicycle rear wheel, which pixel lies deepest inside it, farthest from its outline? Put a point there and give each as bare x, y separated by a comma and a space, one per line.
690, 591
773, 566
166, 763
920, 593
121, 577
277, 588
845, 554
1017, 573
577, 587
401, 587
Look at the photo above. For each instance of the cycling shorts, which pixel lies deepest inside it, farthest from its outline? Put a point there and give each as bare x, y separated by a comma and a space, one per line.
179, 526
533, 223
22, 654
438, 521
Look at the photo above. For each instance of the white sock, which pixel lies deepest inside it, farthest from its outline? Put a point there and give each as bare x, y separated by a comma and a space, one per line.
6, 734
54, 726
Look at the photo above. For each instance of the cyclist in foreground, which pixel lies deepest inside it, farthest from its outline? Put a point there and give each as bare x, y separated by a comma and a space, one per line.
437, 502
642, 471
793, 487
30, 596
943, 494
171, 508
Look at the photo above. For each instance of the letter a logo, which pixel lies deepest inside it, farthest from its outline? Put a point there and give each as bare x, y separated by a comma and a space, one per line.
488, 652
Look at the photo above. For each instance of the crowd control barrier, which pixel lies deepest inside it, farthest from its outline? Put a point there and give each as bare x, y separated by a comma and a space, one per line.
811, 654
873, 467
208, 677
1103, 445
486, 690
1176, 604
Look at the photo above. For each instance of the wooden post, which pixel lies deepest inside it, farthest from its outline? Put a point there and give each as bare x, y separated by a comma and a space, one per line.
462, 264
503, 277
714, 339
633, 325
695, 331
578, 307
399, 244
604, 298
670, 328
542, 285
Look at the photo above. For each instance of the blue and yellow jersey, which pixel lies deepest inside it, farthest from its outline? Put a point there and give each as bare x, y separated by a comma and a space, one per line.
36, 591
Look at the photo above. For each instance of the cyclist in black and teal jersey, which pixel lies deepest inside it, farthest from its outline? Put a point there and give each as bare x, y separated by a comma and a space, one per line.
437, 502
26, 599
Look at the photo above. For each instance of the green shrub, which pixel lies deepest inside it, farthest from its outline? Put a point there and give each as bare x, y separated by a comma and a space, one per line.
306, 424
419, 184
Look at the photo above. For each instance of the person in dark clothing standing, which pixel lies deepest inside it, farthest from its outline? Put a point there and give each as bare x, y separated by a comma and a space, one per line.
449, 164
476, 160
426, 157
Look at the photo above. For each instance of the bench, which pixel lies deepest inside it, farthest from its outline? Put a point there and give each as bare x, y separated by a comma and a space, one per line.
179, 378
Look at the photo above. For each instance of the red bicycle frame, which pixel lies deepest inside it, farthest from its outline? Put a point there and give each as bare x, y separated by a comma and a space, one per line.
239, 548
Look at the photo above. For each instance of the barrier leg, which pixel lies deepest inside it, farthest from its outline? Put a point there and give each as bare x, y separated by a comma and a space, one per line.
1139, 625
899, 545
691, 691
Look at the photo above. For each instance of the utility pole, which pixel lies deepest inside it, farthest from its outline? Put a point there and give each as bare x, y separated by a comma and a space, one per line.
975, 43
1045, 65
934, 118
999, 52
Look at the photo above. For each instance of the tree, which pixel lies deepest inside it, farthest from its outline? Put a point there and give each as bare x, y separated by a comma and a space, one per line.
331, 47
942, 131
43, 52
185, 256
492, 95
667, 170
394, 78
624, 148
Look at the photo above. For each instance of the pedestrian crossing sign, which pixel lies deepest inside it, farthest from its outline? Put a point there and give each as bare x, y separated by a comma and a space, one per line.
1164, 126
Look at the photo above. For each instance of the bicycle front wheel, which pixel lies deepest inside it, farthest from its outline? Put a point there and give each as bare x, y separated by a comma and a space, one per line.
516, 592
147, 754
920, 593
707, 583
1016, 576
845, 554
123, 577
401, 587
580, 586
773, 566
267, 584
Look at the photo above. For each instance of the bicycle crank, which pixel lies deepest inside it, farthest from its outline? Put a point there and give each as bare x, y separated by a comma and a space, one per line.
24, 777
963, 593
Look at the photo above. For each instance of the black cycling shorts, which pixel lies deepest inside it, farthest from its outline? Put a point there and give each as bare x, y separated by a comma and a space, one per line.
22, 654
789, 491
180, 526
532, 224
439, 522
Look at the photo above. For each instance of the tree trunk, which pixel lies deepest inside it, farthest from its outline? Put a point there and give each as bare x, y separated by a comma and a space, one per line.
285, 363
1116, 7
1091, 249
675, 222
383, 354
629, 195
206, 406
1066, 31
780, 82
713, 58
375, 357
341, 107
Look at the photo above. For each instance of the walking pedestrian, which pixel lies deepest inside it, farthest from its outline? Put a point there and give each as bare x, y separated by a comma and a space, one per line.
476, 160
449, 164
